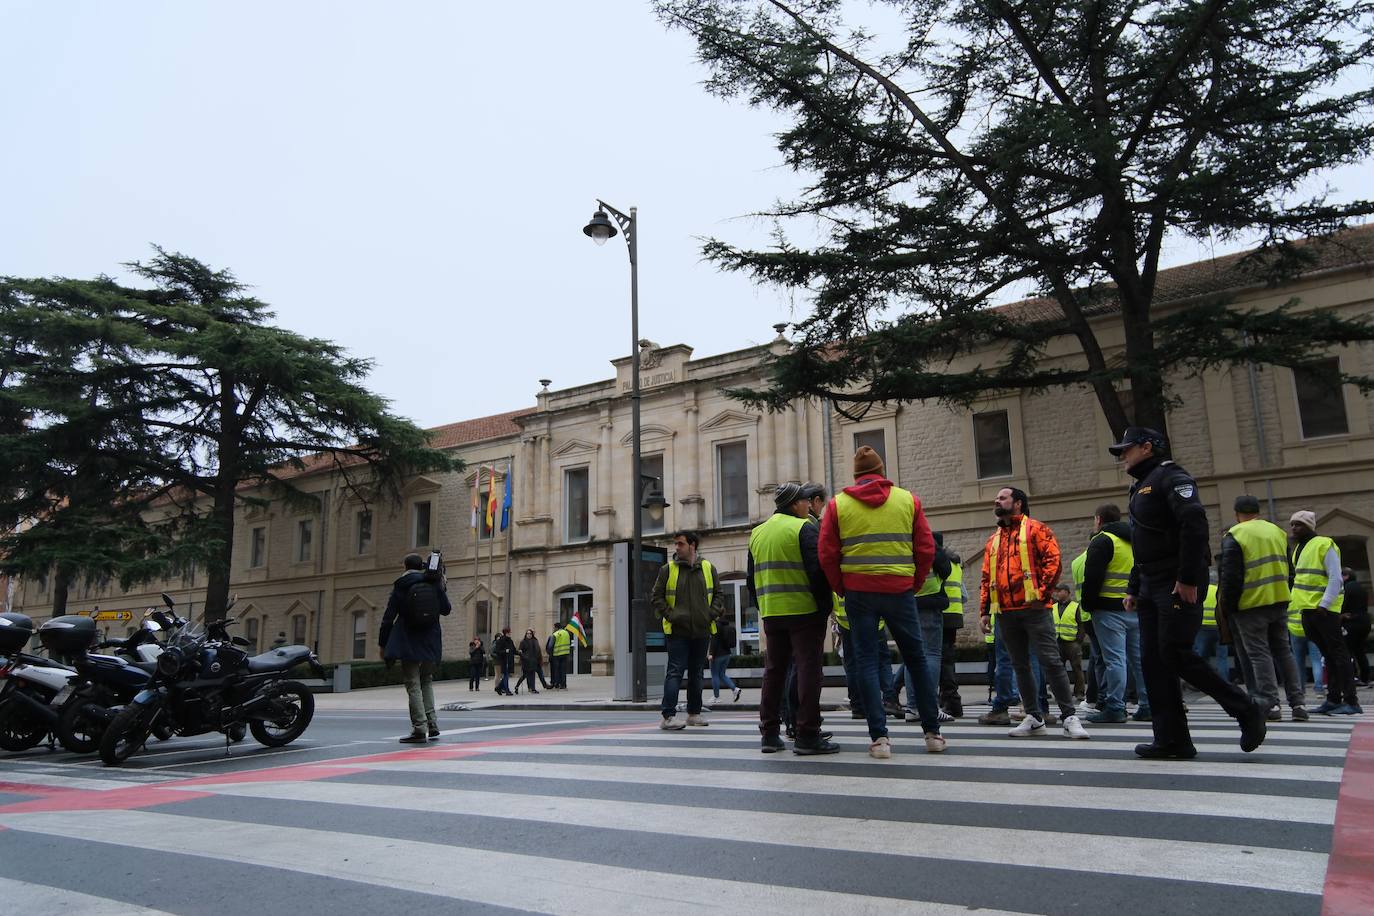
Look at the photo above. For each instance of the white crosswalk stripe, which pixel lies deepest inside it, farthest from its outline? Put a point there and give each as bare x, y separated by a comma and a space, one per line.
683, 822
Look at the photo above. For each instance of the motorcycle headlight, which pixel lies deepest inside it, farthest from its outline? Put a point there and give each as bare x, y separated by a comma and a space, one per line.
169, 662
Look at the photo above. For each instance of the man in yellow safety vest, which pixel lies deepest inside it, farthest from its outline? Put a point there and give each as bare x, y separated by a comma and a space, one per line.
788, 587
1106, 572
1068, 627
687, 599
1252, 593
1318, 594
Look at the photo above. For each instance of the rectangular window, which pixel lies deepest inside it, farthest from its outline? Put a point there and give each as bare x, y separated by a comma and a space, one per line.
364, 529
1321, 404
732, 482
250, 633
305, 535
257, 553
419, 531
483, 529
650, 466
481, 620
298, 630
992, 443
874, 439
576, 505
360, 634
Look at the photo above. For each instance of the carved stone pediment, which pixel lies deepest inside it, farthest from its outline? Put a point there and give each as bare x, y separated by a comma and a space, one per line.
575, 447
727, 419
648, 433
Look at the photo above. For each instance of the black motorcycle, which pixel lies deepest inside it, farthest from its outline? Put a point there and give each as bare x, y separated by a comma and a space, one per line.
204, 682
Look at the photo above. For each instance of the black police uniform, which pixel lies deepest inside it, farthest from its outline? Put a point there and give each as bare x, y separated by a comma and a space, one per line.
1169, 538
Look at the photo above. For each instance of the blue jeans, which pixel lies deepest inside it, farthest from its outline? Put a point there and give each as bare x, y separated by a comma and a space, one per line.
718, 675
685, 654
1307, 655
933, 638
865, 609
886, 684
1118, 633
1004, 679
1208, 645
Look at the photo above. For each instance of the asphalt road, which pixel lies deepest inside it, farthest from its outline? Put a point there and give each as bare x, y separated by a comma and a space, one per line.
601, 812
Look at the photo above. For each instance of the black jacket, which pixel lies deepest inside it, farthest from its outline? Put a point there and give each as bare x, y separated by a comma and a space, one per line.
1356, 602
398, 639
531, 655
1168, 525
723, 642
1101, 549
503, 651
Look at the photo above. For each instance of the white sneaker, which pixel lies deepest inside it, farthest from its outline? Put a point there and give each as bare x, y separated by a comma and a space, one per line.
935, 744
697, 721
738, 691
944, 717
1030, 727
1085, 707
911, 715
1074, 728
880, 749
672, 724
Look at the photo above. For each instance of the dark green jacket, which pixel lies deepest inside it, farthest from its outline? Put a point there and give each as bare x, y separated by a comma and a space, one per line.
694, 610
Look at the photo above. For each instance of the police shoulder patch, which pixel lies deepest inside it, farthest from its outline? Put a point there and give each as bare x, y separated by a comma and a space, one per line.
1185, 490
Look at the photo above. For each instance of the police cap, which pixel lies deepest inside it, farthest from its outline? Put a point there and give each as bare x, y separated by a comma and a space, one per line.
1139, 435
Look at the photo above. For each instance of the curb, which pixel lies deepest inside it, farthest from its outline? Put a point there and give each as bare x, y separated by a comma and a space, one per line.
595, 706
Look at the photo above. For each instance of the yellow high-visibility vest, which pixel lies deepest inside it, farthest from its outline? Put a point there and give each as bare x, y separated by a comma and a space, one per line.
1309, 576
954, 591
1032, 593
780, 580
1265, 549
670, 590
1076, 570
1118, 574
1066, 621
1209, 607
876, 540
843, 619
562, 642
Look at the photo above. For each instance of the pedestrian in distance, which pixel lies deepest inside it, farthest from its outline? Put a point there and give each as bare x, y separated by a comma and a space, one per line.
1068, 626
931, 603
688, 602
951, 701
788, 587
411, 634
722, 649
1253, 597
1021, 566
477, 663
1170, 540
1355, 620
530, 659
559, 657
1317, 593
503, 654
876, 549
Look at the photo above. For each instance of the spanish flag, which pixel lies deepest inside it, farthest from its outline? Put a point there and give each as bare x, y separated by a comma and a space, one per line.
575, 626
491, 498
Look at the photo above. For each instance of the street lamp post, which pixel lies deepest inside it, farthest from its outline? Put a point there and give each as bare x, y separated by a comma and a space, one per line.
599, 229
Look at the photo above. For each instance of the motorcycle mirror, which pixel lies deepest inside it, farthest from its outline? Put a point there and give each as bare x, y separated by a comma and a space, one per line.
151, 626
240, 641
167, 600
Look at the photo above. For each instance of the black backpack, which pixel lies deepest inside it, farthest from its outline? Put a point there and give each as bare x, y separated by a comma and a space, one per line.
421, 607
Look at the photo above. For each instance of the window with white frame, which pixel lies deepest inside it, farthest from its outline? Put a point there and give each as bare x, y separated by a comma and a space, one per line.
874, 439
362, 528
992, 444
732, 482
305, 537
257, 550
735, 593
360, 634
298, 630
419, 524
250, 633
1321, 404
576, 504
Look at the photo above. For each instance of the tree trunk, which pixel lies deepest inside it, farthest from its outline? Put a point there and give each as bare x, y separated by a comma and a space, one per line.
220, 565
61, 586
1147, 384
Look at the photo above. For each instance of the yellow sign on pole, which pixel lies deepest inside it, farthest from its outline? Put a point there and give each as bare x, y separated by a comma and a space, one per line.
121, 616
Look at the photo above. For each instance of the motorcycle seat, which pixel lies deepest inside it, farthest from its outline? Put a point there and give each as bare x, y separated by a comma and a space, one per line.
278, 659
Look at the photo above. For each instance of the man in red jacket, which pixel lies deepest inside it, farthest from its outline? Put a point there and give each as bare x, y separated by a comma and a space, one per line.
876, 549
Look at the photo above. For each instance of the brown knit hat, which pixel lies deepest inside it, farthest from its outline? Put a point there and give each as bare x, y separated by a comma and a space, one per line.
866, 461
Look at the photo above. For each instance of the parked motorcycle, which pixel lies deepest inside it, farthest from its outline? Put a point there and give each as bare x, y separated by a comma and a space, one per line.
204, 682
31, 687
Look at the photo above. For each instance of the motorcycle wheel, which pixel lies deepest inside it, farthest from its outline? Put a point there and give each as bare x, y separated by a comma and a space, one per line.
78, 732
126, 734
19, 729
293, 706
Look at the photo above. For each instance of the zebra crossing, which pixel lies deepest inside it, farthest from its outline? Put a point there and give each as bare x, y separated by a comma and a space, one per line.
618, 816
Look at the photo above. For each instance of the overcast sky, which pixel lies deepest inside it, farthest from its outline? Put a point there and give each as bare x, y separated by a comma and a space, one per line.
409, 179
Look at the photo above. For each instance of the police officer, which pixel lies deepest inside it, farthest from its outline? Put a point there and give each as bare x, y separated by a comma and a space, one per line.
1169, 537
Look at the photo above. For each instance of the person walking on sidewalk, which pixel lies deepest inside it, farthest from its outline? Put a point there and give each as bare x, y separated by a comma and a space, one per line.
876, 549
1107, 565
477, 663
1318, 596
530, 658
1172, 555
1252, 592
722, 648
1020, 569
1355, 619
788, 587
410, 634
687, 599
503, 655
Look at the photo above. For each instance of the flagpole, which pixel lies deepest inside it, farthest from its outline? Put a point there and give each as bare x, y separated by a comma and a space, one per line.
510, 538
491, 532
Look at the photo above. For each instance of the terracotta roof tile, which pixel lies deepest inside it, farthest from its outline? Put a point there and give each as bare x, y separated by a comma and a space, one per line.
492, 427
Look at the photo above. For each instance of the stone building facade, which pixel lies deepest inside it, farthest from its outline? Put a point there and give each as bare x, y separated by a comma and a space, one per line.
323, 577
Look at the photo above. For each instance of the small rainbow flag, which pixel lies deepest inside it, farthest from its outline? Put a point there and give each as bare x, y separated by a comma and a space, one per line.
575, 625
